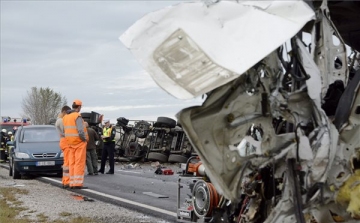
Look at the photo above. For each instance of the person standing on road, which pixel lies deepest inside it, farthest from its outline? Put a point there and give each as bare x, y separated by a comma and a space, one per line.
3, 145
109, 147
91, 156
76, 137
63, 146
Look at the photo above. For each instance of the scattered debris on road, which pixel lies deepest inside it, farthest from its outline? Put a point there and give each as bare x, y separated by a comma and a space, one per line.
155, 195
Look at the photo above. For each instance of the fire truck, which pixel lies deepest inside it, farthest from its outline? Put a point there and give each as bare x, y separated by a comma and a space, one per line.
11, 124
7, 125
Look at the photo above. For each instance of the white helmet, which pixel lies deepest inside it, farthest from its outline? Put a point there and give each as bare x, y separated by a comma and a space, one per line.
3, 130
9, 133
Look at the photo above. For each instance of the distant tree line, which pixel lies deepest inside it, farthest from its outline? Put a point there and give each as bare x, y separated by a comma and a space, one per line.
42, 104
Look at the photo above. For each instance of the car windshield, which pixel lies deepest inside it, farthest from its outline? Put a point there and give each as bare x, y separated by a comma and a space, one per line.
40, 135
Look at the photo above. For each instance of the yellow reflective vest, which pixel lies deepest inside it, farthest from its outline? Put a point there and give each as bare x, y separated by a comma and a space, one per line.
107, 133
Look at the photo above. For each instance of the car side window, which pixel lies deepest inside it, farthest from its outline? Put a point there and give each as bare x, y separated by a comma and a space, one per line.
21, 136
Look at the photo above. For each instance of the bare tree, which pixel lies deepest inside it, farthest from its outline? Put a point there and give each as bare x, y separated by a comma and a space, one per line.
42, 104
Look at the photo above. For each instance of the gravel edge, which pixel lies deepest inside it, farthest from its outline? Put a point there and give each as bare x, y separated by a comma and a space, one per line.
59, 204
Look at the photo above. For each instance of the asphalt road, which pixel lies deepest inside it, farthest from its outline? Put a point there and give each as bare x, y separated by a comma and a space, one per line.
127, 186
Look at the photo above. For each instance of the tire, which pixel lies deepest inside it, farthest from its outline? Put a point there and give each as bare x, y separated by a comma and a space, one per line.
10, 170
141, 134
15, 173
175, 158
131, 149
157, 157
141, 129
86, 116
165, 122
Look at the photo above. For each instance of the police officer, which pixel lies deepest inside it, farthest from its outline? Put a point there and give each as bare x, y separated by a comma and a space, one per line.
109, 147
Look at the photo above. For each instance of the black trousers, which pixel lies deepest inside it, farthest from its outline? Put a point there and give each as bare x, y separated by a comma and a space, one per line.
108, 150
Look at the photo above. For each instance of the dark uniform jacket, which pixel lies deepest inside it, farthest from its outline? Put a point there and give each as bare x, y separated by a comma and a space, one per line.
93, 136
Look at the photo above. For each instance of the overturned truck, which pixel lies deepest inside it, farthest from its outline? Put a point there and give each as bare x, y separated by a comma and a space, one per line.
162, 140
278, 135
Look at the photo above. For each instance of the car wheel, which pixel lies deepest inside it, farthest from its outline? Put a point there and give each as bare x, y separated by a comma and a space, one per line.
10, 169
15, 173
154, 156
175, 158
165, 122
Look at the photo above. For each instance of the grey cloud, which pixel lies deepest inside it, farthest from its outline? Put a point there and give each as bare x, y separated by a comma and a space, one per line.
73, 48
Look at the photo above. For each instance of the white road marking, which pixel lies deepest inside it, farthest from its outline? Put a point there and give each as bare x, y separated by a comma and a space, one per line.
155, 195
173, 214
126, 171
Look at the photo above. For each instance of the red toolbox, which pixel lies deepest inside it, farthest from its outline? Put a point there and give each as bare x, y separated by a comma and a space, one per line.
167, 172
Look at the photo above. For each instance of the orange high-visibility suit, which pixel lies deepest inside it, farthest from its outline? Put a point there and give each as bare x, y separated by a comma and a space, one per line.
77, 148
65, 149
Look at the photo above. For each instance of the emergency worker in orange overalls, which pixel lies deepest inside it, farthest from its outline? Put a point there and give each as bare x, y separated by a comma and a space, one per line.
76, 137
64, 146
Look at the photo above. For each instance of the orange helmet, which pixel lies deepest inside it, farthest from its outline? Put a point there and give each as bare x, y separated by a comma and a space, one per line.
77, 102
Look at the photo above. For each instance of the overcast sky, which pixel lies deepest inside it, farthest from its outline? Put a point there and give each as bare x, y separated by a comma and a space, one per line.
73, 47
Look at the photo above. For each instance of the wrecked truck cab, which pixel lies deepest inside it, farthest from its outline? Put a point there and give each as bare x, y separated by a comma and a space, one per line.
267, 144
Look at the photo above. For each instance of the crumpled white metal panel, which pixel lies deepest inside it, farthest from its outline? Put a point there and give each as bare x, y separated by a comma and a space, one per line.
190, 49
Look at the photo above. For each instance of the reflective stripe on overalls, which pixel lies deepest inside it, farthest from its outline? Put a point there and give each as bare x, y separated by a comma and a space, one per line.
77, 149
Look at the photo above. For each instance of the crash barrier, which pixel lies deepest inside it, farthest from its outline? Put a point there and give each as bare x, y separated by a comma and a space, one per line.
162, 140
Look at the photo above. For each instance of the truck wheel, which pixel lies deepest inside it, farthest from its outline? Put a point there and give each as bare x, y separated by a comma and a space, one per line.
86, 116
154, 156
141, 129
175, 158
165, 122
